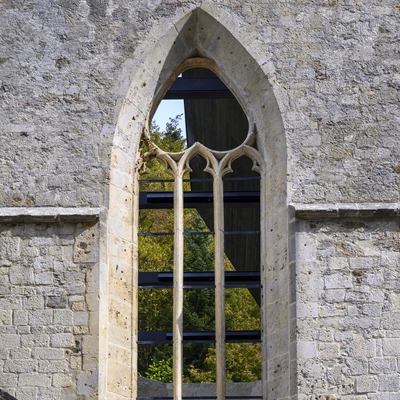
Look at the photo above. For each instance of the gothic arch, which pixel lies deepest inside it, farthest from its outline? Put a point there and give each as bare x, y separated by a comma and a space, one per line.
202, 35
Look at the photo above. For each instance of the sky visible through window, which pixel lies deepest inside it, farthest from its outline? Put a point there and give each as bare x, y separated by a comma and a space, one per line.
170, 109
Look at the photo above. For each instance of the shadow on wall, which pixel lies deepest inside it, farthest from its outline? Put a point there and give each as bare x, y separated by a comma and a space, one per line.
6, 396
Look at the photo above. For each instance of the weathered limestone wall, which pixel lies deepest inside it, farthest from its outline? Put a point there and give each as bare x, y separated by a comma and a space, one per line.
77, 83
348, 308
49, 311
334, 67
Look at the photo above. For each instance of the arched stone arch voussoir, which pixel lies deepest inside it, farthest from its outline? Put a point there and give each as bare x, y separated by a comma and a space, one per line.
145, 79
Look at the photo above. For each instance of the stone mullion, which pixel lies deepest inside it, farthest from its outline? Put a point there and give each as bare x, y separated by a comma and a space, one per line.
178, 288
263, 272
219, 285
135, 272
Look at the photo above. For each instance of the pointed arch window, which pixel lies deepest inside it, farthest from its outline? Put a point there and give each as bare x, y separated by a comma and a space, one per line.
221, 177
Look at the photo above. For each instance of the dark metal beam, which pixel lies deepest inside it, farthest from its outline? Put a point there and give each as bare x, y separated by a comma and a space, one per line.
201, 199
154, 337
196, 280
198, 88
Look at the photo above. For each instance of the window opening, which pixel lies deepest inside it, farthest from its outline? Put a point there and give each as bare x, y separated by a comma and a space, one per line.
204, 207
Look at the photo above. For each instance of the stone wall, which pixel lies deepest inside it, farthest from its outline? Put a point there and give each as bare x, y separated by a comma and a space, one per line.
66, 67
348, 308
49, 311
78, 82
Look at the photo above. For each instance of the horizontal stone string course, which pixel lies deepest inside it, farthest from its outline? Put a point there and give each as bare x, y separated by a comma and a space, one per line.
303, 211
48, 214
341, 210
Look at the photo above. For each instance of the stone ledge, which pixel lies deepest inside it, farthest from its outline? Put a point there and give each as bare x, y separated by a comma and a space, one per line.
345, 210
48, 214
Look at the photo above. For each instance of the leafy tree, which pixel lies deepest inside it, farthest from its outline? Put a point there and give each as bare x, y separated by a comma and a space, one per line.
161, 370
171, 139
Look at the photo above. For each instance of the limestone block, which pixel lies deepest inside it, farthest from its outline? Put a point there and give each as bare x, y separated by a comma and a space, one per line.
357, 366
120, 355
34, 379
329, 350
391, 347
391, 320
335, 295
35, 340
76, 288
41, 318
87, 383
61, 380
389, 383
56, 302
20, 366
379, 396
26, 393
12, 303
20, 353
63, 317
8, 379
76, 362
90, 345
365, 384
10, 340
81, 318
49, 393
44, 278
10, 248
383, 365
33, 302
80, 330
62, 340
338, 281
90, 363
21, 275
48, 354
361, 347
50, 366
306, 350
92, 301
352, 397
5, 317
85, 249
308, 310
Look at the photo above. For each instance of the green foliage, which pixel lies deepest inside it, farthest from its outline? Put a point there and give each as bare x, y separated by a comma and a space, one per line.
155, 305
243, 364
161, 370
170, 139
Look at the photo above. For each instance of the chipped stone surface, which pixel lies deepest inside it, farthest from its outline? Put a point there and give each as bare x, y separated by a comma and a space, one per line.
85, 245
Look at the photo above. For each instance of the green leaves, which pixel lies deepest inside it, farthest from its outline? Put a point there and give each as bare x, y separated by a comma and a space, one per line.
161, 370
171, 139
